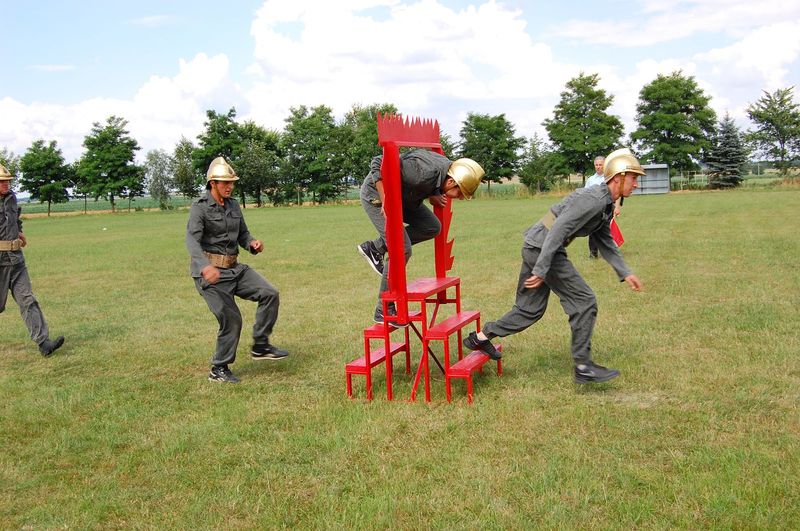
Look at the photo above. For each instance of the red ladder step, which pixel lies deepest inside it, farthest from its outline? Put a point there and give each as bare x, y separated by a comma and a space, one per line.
465, 367
444, 329
376, 357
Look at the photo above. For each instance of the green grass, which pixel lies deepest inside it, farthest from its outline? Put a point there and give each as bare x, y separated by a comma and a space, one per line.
121, 429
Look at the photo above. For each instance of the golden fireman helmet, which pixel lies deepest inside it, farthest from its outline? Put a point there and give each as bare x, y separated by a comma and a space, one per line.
5, 175
467, 174
621, 161
220, 170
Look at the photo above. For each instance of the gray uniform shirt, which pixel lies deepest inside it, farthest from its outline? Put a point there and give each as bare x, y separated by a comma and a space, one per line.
422, 174
583, 212
10, 227
214, 228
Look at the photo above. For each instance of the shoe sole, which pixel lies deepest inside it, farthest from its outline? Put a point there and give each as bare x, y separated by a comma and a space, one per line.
259, 358
477, 348
395, 325
597, 380
371, 265
217, 380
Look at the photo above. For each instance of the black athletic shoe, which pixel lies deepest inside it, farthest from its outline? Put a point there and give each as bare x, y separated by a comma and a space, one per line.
372, 256
222, 373
268, 352
593, 256
593, 373
48, 346
473, 343
392, 313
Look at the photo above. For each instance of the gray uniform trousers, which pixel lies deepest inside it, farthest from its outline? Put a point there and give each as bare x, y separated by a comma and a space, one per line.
246, 283
577, 299
14, 278
421, 225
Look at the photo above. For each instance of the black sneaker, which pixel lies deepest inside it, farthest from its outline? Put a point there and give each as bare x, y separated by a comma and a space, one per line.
593, 373
221, 373
392, 313
473, 343
268, 352
372, 256
48, 346
593, 256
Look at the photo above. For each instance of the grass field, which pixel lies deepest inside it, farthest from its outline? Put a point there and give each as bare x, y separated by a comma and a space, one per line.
121, 429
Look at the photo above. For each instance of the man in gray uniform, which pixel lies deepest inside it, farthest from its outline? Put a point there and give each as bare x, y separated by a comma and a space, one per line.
214, 233
13, 271
545, 266
423, 175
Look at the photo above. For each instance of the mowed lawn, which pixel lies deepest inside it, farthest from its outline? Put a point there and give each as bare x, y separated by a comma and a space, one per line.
121, 429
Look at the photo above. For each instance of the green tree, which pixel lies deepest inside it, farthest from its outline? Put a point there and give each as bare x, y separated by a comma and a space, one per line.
44, 174
726, 156
257, 163
158, 172
675, 123
10, 161
188, 180
221, 138
491, 142
308, 142
541, 166
777, 134
581, 127
359, 136
107, 166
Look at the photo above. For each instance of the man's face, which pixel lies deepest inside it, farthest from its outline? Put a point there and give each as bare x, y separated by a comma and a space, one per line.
224, 189
5, 187
598, 166
631, 183
452, 190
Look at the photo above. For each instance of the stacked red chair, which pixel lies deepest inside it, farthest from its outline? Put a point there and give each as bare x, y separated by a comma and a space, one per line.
418, 303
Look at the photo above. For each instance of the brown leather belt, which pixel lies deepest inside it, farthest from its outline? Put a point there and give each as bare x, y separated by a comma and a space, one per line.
10, 245
222, 261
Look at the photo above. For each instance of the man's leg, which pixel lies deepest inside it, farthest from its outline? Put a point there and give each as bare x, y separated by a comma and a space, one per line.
29, 308
219, 298
529, 306
253, 286
5, 284
579, 303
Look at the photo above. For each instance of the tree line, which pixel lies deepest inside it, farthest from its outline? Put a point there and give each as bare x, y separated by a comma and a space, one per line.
317, 158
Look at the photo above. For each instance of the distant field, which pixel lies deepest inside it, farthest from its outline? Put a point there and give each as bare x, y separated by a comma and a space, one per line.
121, 429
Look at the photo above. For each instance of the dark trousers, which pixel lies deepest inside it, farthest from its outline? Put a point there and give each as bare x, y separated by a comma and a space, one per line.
592, 245
576, 297
14, 279
421, 225
246, 283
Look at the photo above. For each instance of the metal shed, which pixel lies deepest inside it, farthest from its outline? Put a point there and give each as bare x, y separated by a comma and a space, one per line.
656, 180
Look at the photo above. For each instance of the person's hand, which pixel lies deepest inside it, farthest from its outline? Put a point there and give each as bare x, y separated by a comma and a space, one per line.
211, 274
634, 282
438, 200
257, 246
617, 211
533, 282
24, 239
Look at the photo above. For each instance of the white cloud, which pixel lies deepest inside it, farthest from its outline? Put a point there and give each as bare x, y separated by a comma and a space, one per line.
415, 55
162, 110
658, 22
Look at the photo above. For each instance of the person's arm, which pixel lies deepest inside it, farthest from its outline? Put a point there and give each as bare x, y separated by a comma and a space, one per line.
572, 218
194, 232
21, 236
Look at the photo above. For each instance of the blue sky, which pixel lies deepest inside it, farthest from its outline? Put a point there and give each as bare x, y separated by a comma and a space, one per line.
160, 65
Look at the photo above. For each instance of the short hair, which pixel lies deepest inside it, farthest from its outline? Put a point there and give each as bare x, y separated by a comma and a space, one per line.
599, 157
